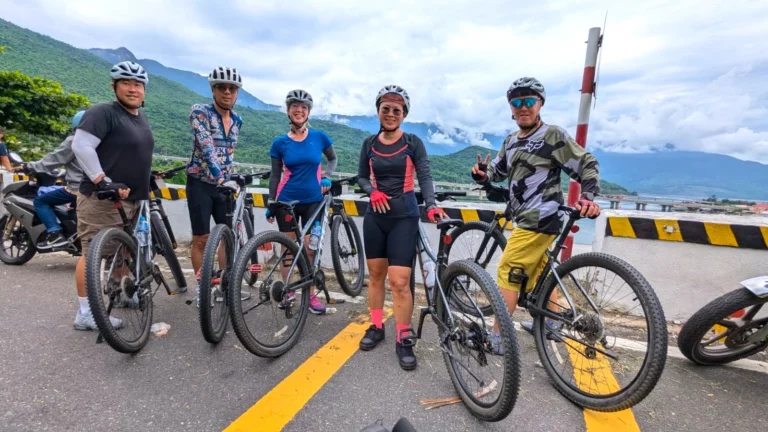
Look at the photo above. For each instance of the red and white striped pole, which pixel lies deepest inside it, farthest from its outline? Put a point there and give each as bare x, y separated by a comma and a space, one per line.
587, 93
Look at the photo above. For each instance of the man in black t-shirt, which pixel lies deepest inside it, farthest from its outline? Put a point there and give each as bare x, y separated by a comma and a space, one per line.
114, 145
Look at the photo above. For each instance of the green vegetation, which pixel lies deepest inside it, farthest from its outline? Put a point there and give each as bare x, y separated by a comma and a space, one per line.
168, 104
714, 200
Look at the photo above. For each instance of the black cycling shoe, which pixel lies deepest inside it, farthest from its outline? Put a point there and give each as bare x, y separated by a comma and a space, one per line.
404, 350
372, 337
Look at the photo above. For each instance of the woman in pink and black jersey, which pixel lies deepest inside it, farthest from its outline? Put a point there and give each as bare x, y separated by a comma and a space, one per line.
389, 161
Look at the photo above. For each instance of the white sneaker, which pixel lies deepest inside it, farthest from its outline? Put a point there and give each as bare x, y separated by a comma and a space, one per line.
86, 321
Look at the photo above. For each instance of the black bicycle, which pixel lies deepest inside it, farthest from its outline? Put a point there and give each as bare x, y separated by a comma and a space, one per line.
221, 250
120, 268
480, 352
604, 347
283, 291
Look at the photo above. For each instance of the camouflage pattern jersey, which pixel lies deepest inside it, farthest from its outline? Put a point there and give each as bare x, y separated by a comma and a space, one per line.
532, 166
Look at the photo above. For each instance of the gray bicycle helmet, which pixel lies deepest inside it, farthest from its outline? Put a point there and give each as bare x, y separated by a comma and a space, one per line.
527, 83
299, 95
394, 89
225, 75
130, 71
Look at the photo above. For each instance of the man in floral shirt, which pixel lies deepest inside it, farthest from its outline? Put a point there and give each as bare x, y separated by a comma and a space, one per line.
216, 128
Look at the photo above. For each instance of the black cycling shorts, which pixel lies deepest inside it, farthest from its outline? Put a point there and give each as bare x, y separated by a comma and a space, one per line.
392, 238
203, 202
302, 212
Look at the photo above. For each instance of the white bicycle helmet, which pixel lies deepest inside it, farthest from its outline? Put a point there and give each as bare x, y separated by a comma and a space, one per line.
394, 89
130, 71
527, 83
299, 96
225, 75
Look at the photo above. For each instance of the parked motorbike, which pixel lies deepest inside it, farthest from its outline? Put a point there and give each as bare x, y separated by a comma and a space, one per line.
731, 327
22, 229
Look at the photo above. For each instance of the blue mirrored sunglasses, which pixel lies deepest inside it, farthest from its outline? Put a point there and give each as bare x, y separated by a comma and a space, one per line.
529, 102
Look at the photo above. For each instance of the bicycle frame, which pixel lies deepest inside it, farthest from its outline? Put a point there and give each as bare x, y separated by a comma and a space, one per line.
324, 207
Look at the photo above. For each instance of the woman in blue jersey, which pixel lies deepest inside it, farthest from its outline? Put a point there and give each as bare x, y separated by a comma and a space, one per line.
297, 156
389, 161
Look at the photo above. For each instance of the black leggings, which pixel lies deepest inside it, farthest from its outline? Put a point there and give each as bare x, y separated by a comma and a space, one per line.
392, 238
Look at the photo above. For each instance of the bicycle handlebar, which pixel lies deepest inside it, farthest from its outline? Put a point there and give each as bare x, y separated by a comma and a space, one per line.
167, 173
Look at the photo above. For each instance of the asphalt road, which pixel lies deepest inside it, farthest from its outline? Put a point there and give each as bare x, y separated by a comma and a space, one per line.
54, 378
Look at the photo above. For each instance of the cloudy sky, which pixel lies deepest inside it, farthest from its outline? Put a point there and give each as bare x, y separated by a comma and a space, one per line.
691, 73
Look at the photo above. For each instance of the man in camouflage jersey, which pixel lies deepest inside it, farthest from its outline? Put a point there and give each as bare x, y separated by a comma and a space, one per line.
531, 160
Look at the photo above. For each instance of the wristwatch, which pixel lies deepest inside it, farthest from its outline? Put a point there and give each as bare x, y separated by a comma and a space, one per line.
588, 195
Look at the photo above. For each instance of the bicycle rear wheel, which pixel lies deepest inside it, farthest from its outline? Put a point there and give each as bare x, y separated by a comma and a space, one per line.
467, 343
214, 282
109, 277
467, 243
348, 256
270, 323
610, 348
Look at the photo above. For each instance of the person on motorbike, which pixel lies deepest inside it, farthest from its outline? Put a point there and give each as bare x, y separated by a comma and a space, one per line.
296, 158
114, 146
6, 163
44, 203
531, 160
389, 160
215, 128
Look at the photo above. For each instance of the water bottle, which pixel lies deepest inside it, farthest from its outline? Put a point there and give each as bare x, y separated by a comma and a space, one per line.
142, 233
314, 237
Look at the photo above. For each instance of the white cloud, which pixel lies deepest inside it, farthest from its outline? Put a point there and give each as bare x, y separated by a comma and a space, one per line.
692, 73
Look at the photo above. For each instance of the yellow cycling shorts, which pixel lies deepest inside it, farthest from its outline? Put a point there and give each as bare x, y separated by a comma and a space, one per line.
526, 249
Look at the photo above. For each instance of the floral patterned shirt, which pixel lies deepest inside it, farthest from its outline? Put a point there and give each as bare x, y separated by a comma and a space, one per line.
213, 150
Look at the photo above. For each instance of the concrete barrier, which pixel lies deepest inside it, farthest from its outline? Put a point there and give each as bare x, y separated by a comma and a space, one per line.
689, 259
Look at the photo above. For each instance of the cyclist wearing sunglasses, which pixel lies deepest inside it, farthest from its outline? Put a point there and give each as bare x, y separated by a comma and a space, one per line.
215, 129
388, 162
296, 156
531, 160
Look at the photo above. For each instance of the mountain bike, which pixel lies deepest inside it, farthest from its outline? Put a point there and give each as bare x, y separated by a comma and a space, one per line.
490, 393
572, 310
283, 292
119, 268
221, 250
730, 327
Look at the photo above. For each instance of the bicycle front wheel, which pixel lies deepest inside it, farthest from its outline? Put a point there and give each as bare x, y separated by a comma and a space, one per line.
165, 248
122, 309
348, 256
609, 349
215, 275
719, 332
484, 368
269, 322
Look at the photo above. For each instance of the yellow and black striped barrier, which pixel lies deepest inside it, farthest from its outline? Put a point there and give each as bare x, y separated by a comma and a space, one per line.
708, 233
352, 207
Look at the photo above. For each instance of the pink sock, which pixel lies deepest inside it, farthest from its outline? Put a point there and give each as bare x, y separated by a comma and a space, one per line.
401, 327
376, 317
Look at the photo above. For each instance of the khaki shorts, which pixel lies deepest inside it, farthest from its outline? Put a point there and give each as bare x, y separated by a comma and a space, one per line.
94, 215
526, 249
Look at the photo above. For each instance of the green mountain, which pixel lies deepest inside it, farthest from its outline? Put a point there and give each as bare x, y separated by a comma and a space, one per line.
191, 80
456, 167
167, 102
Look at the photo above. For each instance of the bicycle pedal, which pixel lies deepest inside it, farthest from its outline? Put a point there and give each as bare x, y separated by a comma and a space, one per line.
256, 268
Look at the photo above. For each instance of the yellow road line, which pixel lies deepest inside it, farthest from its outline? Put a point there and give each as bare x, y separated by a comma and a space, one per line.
278, 407
595, 374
